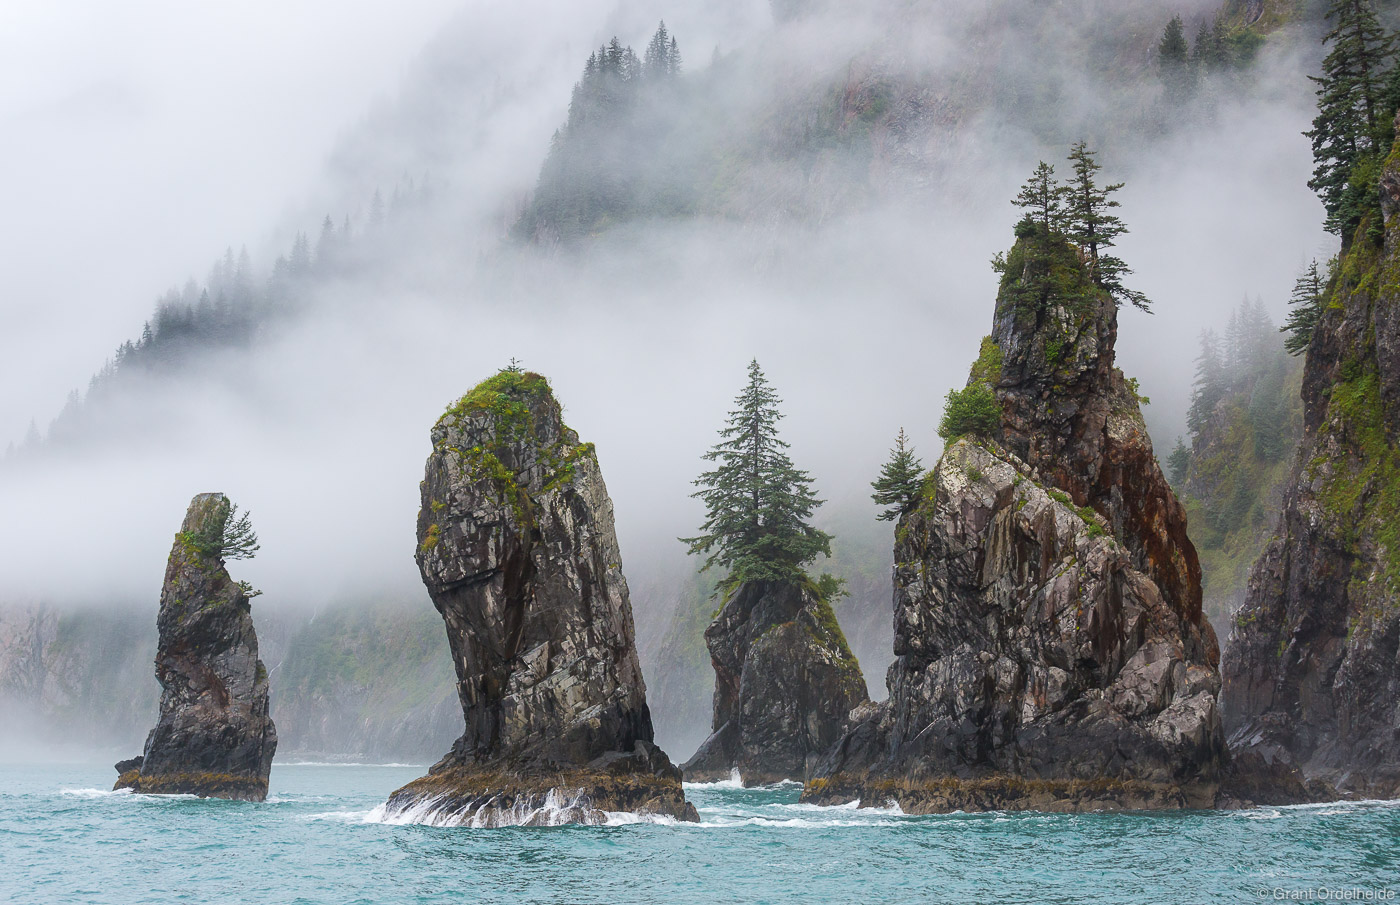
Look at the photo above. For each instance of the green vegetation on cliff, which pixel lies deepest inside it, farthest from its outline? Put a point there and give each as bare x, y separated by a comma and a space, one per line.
510, 399
1245, 421
1358, 464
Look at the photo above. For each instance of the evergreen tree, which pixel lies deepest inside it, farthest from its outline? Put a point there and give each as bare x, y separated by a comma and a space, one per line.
300, 264
1174, 62
223, 533
1210, 384
1203, 52
661, 59
1351, 129
1268, 414
325, 245
1305, 307
1258, 338
1089, 225
1040, 198
376, 210
1179, 462
757, 503
900, 481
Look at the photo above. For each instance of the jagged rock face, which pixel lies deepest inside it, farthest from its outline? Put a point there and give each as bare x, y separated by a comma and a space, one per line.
785, 684
517, 548
214, 737
1312, 669
1070, 415
1036, 666
1050, 649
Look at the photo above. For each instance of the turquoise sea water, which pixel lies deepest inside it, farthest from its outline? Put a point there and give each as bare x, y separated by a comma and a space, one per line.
64, 839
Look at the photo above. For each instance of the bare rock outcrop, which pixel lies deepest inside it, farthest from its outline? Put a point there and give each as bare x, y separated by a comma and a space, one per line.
517, 548
214, 737
785, 683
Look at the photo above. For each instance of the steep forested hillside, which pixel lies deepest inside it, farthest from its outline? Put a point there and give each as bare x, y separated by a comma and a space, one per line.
1244, 423
780, 131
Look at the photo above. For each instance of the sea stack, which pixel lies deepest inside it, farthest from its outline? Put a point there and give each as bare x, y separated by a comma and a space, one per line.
785, 684
517, 548
214, 737
1050, 648
1311, 671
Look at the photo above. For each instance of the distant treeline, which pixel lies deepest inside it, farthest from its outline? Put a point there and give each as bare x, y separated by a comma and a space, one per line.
235, 302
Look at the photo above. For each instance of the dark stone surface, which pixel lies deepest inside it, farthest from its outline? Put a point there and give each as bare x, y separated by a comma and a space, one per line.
1312, 668
517, 548
1050, 648
785, 682
214, 737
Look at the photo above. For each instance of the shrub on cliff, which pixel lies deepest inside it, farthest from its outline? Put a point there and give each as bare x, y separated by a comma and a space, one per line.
972, 410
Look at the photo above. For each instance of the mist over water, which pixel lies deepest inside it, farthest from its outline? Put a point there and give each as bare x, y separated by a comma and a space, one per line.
864, 305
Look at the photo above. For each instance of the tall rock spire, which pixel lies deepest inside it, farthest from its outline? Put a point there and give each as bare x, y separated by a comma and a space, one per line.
1050, 648
214, 737
517, 548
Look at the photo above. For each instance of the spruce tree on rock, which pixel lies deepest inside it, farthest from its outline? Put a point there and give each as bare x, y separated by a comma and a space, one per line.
1305, 307
900, 481
1040, 198
1351, 125
1091, 226
757, 503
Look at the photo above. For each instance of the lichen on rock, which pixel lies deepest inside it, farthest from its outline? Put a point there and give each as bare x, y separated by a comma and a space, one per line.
517, 549
215, 737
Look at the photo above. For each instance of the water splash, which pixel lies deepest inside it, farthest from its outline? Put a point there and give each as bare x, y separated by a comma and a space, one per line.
555, 808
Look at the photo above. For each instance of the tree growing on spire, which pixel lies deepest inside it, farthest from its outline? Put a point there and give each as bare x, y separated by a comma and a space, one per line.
757, 503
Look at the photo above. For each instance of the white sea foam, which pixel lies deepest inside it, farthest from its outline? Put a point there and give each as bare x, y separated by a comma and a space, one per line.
93, 793
334, 763
341, 816
109, 793
556, 809
733, 782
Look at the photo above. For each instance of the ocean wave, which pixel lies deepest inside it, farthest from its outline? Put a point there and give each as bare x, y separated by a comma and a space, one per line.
733, 782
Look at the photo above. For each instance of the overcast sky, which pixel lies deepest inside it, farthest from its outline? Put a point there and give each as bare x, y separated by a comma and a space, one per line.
136, 147
141, 138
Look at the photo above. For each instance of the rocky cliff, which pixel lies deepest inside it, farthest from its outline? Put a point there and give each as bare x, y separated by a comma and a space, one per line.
517, 548
1312, 669
785, 683
1050, 648
214, 737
